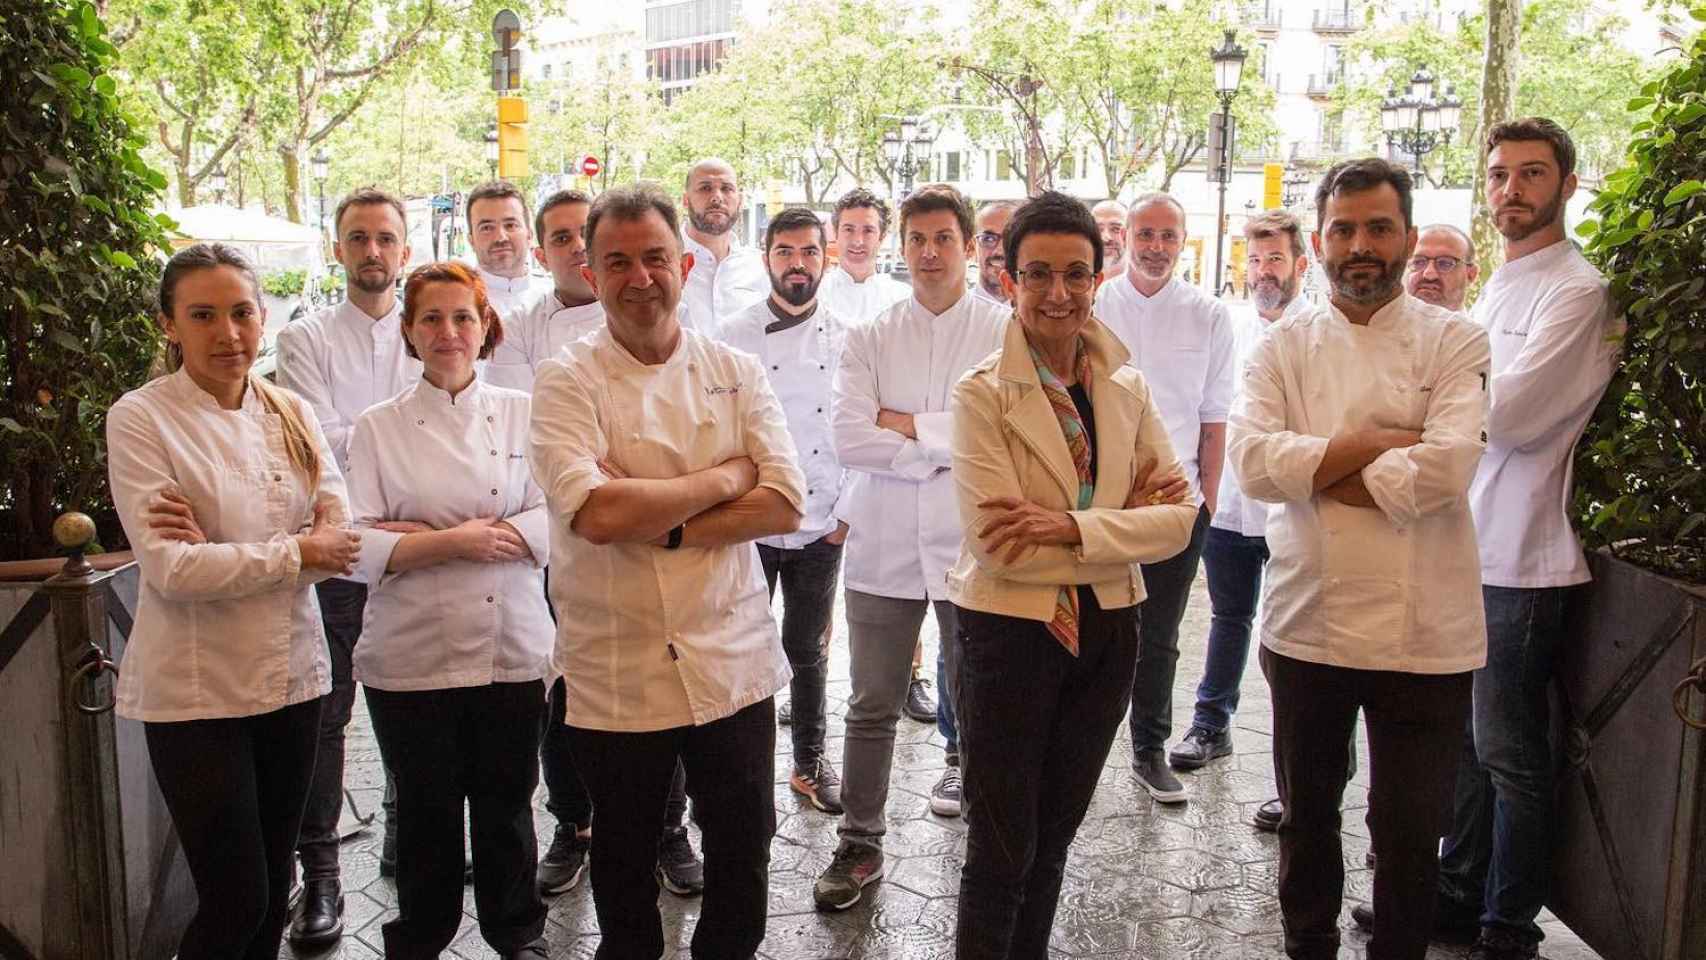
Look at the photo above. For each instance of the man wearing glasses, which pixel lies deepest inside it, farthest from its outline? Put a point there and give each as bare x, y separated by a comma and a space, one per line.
1182, 341
1110, 223
1443, 266
991, 261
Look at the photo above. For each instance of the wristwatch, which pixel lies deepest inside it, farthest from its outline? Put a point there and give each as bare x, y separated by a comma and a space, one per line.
674, 540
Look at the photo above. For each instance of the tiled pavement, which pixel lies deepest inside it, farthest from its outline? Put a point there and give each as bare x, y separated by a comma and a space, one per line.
1143, 880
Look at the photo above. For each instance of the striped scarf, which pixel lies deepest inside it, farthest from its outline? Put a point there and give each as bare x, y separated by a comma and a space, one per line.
1064, 626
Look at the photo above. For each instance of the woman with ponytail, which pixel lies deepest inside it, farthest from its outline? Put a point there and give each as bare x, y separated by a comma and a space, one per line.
234, 507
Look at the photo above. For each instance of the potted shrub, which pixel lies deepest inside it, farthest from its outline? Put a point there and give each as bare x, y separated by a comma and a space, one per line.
1630, 873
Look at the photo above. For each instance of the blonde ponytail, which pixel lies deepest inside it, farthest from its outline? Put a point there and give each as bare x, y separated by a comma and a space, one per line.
298, 439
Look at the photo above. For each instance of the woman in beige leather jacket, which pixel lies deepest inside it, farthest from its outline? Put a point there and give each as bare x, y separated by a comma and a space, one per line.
1065, 481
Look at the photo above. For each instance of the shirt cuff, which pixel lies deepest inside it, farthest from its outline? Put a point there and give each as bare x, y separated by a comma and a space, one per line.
1292, 465
1391, 481
375, 555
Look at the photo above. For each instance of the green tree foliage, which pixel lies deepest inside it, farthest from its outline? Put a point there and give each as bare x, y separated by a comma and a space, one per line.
79, 267
1641, 466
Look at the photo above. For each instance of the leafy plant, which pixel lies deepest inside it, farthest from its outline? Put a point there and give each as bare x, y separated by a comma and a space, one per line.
77, 270
1641, 466
284, 283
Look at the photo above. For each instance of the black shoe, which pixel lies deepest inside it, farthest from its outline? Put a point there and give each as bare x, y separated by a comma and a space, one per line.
919, 705
388, 852
321, 917
1453, 922
679, 869
1269, 815
1156, 780
563, 865
1199, 747
533, 951
1498, 943
1363, 916
785, 714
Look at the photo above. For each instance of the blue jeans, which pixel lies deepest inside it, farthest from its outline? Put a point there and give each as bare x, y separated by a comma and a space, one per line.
1497, 855
1169, 586
1234, 563
945, 723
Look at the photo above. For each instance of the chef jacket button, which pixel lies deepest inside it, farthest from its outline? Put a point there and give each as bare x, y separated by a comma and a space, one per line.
775, 366
277, 478
494, 453
420, 423
494, 491
814, 453
819, 409
490, 419
810, 491
489, 600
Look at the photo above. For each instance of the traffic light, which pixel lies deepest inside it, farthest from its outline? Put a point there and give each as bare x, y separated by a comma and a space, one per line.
512, 137
1273, 186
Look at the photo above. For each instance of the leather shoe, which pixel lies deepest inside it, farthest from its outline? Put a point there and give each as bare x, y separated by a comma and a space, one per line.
533, 951
1453, 922
1269, 815
321, 917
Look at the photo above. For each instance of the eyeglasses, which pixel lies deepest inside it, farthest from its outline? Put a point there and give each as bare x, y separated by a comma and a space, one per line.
989, 239
1441, 264
1039, 279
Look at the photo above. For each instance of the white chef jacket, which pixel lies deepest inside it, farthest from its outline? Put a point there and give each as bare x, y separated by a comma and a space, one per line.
1181, 340
538, 333
1554, 339
904, 519
800, 363
422, 455
511, 295
226, 628
343, 361
660, 638
1235, 512
1394, 588
860, 302
715, 289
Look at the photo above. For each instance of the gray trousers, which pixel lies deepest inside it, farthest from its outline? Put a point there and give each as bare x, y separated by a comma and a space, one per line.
882, 632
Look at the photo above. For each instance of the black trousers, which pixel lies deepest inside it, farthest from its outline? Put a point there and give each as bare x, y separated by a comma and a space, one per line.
1169, 586
731, 765
479, 744
235, 790
1036, 725
1415, 733
808, 577
565, 793
341, 606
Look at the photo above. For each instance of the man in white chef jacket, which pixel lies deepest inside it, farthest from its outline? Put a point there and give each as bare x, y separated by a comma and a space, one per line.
991, 227
854, 289
501, 236
560, 316
1361, 420
1554, 342
1182, 341
663, 454
798, 340
343, 360
1443, 266
728, 276
892, 426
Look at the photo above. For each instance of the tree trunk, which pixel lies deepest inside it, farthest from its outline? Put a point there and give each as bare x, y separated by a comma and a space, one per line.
1498, 104
293, 203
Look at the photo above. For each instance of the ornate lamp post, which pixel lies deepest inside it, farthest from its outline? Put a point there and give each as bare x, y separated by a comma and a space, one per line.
1228, 69
492, 148
320, 165
1419, 123
908, 151
216, 180
1296, 184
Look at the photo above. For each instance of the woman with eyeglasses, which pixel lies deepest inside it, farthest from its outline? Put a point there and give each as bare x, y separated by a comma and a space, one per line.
1065, 480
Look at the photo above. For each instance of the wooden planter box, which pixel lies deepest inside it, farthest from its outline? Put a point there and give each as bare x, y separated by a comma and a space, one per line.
1630, 868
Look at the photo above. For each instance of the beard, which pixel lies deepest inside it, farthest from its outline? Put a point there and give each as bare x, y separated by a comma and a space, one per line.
795, 296
1543, 217
1377, 289
358, 281
703, 223
1275, 293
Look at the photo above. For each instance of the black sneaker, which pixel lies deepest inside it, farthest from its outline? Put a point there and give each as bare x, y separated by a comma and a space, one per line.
856, 865
785, 714
946, 795
1156, 779
679, 869
920, 705
1498, 943
1199, 747
819, 784
1269, 815
563, 865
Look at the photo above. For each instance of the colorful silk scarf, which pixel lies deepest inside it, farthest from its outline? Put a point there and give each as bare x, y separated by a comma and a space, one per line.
1064, 626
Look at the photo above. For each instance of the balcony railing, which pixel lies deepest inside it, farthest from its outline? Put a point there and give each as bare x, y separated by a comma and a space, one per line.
1338, 21
1306, 151
1323, 84
1262, 16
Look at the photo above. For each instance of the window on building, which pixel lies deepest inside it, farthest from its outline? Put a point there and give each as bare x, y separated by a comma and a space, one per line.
1068, 167
952, 166
1004, 165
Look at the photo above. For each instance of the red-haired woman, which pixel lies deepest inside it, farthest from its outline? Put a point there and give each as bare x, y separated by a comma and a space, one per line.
232, 502
457, 638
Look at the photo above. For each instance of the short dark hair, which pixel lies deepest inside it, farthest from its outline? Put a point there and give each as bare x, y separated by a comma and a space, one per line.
1273, 223
1468, 241
1366, 173
458, 274
494, 190
630, 203
1537, 128
367, 197
860, 197
793, 218
552, 202
1050, 212
934, 197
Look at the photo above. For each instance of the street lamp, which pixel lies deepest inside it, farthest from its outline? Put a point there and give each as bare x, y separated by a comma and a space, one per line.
320, 165
492, 148
1228, 61
1419, 123
1296, 184
216, 180
908, 151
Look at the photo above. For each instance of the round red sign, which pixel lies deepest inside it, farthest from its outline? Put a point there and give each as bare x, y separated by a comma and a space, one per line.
590, 165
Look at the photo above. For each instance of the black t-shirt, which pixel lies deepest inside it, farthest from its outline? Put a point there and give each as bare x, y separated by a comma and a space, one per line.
1081, 400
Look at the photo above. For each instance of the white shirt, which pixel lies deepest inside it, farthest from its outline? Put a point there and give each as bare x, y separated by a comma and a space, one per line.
658, 638
510, 295
718, 289
903, 516
423, 456
1235, 512
226, 628
1181, 339
343, 361
538, 333
1394, 588
859, 301
800, 363
1554, 340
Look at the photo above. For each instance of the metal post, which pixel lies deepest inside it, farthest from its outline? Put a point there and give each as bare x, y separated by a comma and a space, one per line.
1225, 162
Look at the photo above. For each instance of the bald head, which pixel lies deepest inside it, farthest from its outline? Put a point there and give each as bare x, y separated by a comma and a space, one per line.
1442, 266
1110, 217
713, 201
1154, 237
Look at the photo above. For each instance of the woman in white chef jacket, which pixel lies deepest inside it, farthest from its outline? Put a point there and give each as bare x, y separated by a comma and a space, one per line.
232, 502
456, 641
